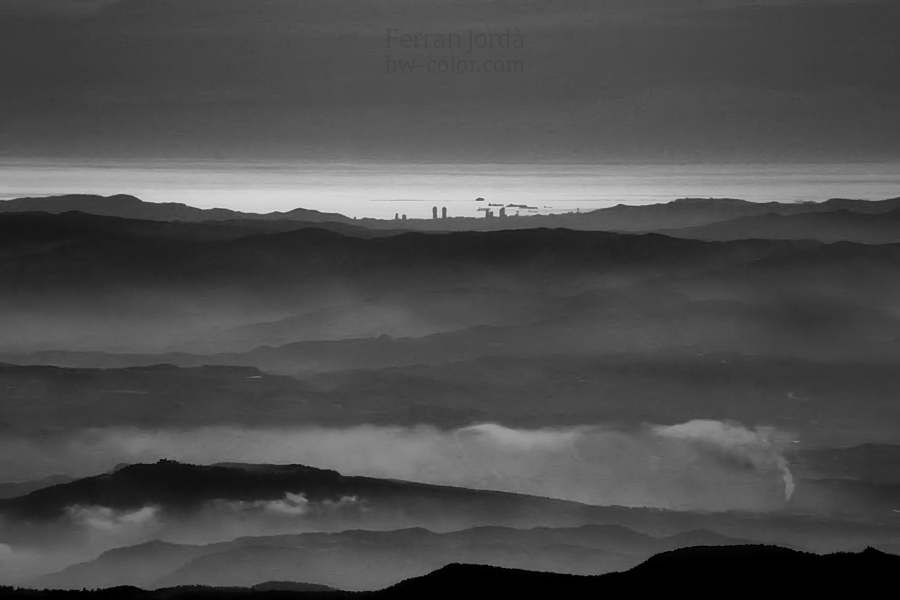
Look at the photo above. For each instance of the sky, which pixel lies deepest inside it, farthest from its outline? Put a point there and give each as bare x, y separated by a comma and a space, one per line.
610, 80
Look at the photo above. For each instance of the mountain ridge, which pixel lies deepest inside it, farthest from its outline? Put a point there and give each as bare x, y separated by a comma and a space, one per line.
678, 213
840, 225
786, 570
126, 205
587, 549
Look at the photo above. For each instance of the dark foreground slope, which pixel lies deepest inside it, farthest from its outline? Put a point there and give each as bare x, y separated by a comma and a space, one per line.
738, 571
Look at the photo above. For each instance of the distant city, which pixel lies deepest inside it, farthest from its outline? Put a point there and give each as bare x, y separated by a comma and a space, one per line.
488, 213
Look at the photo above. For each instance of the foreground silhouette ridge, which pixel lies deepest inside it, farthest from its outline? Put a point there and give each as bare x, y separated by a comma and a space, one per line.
734, 571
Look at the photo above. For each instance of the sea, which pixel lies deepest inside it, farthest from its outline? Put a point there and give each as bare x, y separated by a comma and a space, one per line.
383, 190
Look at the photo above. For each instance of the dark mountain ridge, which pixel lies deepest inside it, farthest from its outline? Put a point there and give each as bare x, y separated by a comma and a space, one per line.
684, 212
840, 225
720, 568
21, 488
371, 559
127, 206
627, 388
786, 570
19, 229
81, 253
183, 488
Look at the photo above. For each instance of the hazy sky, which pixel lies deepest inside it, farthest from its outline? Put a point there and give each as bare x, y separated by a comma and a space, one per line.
628, 80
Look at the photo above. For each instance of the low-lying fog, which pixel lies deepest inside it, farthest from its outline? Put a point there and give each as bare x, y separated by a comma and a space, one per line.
699, 465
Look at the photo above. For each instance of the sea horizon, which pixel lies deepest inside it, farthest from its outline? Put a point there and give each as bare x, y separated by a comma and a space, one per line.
383, 190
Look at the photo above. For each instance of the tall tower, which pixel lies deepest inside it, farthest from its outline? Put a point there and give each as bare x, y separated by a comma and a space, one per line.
444, 213
434, 212
503, 211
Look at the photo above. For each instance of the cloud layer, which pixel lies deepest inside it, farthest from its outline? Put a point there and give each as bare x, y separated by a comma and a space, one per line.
699, 465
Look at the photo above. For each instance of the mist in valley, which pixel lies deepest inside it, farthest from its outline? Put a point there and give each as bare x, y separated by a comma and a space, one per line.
539, 399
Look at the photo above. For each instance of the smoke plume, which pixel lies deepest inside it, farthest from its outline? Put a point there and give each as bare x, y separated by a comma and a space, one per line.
699, 465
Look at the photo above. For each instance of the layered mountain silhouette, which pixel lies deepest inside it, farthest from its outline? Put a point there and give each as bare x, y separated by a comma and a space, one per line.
411, 314
123, 318
21, 488
514, 391
130, 207
332, 501
787, 571
35, 231
178, 491
877, 463
717, 568
74, 249
88, 281
842, 225
182, 488
85, 282
681, 213
371, 559
773, 325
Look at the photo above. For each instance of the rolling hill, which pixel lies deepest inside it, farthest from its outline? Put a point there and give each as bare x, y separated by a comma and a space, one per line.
130, 207
680, 213
842, 225
358, 560
787, 571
